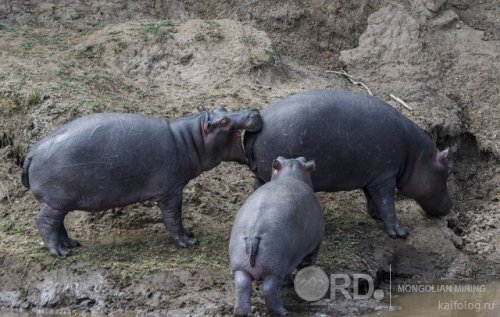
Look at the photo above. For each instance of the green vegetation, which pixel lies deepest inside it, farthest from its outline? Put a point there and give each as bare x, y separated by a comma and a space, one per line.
249, 39
16, 101
117, 45
27, 45
145, 255
95, 106
213, 30
159, 31
341, 248
33, 98
199, 37
8, 227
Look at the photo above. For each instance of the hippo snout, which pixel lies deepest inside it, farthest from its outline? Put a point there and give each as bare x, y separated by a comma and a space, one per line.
439, 210
253, 122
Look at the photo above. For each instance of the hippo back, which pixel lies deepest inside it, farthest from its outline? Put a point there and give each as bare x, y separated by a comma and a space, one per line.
351, 136
101, 161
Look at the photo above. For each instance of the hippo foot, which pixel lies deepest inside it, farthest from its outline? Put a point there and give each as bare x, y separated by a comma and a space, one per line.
188, 233
62, 246
59, 250
397, 231
186, 240
70, 243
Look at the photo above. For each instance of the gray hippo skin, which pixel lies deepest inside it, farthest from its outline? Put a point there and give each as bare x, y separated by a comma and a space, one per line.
358, 142
108, 160
278, 228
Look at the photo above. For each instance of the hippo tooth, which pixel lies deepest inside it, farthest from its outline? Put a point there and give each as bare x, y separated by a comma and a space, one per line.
242, 139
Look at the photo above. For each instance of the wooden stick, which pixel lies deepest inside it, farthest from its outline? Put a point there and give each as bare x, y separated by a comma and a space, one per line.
401, 102
351, 79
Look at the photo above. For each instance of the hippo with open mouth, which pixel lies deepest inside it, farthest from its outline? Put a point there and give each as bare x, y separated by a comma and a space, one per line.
108, 160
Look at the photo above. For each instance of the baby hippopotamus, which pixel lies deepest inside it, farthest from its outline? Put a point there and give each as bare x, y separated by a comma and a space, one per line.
278, 228
108, 160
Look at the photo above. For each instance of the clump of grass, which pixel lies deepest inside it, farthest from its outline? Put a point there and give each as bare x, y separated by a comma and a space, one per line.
159, 31
7, 105
95, 106
33, 98
12, 228
117, 44
58, 40
214, 30
27, 44
20, 229
16, 101
249, 39
199, 37
5, 226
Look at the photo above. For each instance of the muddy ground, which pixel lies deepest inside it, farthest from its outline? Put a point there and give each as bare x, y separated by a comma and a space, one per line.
63, 59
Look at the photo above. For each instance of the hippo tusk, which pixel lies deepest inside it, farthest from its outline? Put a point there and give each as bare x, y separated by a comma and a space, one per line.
242, 139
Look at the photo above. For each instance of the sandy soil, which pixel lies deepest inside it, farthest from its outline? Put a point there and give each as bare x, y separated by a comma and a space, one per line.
60, 60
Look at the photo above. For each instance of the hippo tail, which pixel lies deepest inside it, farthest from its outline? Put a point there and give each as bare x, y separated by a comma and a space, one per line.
24, 176
252, 246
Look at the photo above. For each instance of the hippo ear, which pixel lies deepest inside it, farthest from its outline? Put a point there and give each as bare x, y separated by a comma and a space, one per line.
441, 156
276, 165
201, 108
310, 166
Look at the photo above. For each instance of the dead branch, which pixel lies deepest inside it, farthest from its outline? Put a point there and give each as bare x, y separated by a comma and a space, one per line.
351, 79
400, 101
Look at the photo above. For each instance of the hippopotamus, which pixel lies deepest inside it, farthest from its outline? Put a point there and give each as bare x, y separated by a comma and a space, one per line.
358, 142
107, 160
278, 228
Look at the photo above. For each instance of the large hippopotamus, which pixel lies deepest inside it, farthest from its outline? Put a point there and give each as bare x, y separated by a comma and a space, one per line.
107, 160
358, 142
278, 228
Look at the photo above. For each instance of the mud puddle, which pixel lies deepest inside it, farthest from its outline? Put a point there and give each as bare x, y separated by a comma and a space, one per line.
444, 300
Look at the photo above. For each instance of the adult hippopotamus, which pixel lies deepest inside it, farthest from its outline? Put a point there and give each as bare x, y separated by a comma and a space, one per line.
358, 142
278, 228
107, 160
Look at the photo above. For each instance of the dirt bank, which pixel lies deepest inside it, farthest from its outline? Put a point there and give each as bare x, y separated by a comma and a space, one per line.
60, 60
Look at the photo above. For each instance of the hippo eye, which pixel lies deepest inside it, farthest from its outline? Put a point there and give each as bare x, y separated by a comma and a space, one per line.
224, 122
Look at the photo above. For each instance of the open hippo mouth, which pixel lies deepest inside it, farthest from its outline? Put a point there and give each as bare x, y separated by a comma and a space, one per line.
239, 146
253, 124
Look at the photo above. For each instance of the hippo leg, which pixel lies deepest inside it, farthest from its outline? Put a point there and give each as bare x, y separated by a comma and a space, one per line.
288, 280
309, 259
370, 205
382, 197
243, 285
271, 289
257, 182
171, 210
50, 223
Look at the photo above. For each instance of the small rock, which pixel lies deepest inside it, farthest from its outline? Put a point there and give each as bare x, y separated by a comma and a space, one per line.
458, 26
